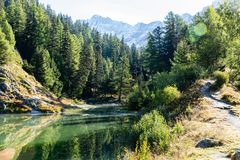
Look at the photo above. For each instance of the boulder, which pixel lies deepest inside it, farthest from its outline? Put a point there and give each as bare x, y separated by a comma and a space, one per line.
208, 142
32, 102
3, 106
4, 87
236, 155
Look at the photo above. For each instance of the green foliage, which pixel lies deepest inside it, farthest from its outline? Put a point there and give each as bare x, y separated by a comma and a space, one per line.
139, 99
6, 28
211, 46
153, 129
221, 78
123, 77
178, 129
167, 96
43, 69
5, 49
28, 67
142, 149
87, 61
186, 75
183, 54
161, 80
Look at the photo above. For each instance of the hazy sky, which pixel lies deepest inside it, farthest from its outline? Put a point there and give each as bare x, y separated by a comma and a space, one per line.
130, 11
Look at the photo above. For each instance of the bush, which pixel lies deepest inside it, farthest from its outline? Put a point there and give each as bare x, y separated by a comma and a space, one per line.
161, 80
186, 75
138, 99
166, 96
221, 78
177, 129
153, 129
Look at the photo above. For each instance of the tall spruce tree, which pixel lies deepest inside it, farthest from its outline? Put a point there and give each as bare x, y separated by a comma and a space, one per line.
5, 49
87, 64
175, 29
41, 61
156, 57
182, 55
123, 76
6, 28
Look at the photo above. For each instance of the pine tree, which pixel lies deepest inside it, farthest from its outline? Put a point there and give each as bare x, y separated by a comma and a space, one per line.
99, 73
6, 28
134, 61
5, 49
182, 55
175, 29
56, 34
156, 57
42, 68
36, 32
87, 63
10, 11
19, 20
70, 59
123, 77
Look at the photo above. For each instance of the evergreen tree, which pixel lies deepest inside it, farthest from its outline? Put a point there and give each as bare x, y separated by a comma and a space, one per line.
70, 55
6, 28
87, 65
19, 20
5, 49
182, 55
99, 74
134, 59
156, 57
175, 29
10, 11
42, 68
123, 77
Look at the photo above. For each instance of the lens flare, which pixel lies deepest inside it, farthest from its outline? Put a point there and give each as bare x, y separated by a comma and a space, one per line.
200, 29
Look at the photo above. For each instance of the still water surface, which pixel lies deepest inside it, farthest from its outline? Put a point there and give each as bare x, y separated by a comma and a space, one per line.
92, 135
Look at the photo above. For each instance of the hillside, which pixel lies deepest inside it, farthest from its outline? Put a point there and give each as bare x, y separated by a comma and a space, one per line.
21, 93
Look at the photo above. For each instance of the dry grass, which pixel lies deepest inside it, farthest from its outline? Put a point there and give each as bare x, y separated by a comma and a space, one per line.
230, 95
205, 122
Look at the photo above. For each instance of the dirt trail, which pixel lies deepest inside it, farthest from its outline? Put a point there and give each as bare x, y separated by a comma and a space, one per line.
224, 112
224, 108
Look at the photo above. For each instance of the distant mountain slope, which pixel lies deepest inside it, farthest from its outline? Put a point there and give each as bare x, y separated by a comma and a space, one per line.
132, 33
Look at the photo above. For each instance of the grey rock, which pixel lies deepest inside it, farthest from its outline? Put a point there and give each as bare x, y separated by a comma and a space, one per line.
3, 106
208, 142
4, 87
18, 95
2, 93
32, 102
236, 155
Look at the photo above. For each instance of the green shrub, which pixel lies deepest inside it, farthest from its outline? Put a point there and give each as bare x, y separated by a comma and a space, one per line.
186, 75
161, 80
177, 129
142, 149
28, 67
153, 127
166, 96
139, 99
221, 78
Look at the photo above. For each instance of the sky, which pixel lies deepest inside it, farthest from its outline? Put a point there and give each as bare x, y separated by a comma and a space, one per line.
130, 11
